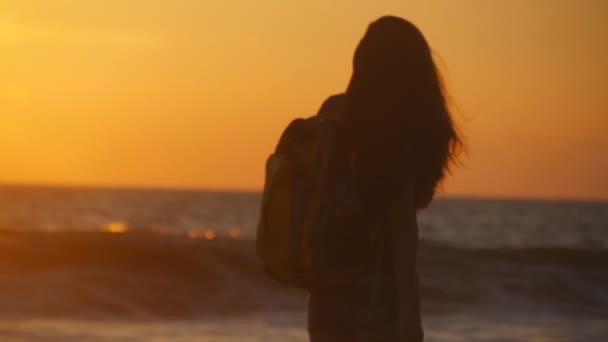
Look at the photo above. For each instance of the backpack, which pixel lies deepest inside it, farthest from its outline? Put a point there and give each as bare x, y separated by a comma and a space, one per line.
311, 232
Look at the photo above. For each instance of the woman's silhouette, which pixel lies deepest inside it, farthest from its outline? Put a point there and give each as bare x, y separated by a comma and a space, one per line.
395, 118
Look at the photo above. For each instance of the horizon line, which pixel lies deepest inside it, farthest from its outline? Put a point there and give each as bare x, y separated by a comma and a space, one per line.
211, 189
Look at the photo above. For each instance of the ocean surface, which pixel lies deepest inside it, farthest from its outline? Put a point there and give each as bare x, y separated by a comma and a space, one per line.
142, 265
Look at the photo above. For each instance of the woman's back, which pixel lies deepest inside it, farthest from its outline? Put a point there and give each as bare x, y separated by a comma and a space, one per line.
396, 122
368, 309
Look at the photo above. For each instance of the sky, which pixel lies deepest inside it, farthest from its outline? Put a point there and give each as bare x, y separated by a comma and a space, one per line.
194, 94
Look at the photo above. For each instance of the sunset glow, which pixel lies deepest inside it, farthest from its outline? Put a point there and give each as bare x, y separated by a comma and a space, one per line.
194, 94
116, 228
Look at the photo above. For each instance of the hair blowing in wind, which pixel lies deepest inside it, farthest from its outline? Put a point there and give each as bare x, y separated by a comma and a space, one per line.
395, 112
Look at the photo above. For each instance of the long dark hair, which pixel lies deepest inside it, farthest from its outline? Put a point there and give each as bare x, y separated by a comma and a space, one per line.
395, 113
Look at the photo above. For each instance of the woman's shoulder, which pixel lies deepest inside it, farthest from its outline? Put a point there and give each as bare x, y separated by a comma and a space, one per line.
333, 103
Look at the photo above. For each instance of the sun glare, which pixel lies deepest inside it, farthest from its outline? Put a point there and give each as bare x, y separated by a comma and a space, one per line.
210, 234
116, 228
234, 233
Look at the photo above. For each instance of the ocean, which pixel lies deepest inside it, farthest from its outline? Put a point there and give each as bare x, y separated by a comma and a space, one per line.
83, 264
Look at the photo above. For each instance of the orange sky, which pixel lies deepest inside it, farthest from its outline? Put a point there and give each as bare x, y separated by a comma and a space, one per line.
195, 93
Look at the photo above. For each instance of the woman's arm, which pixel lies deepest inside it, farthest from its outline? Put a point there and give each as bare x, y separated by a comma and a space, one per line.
404, 241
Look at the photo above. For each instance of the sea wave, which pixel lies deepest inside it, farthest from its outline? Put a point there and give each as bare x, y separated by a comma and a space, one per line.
152, 274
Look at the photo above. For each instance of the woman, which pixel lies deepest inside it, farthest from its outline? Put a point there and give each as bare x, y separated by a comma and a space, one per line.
395, 118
